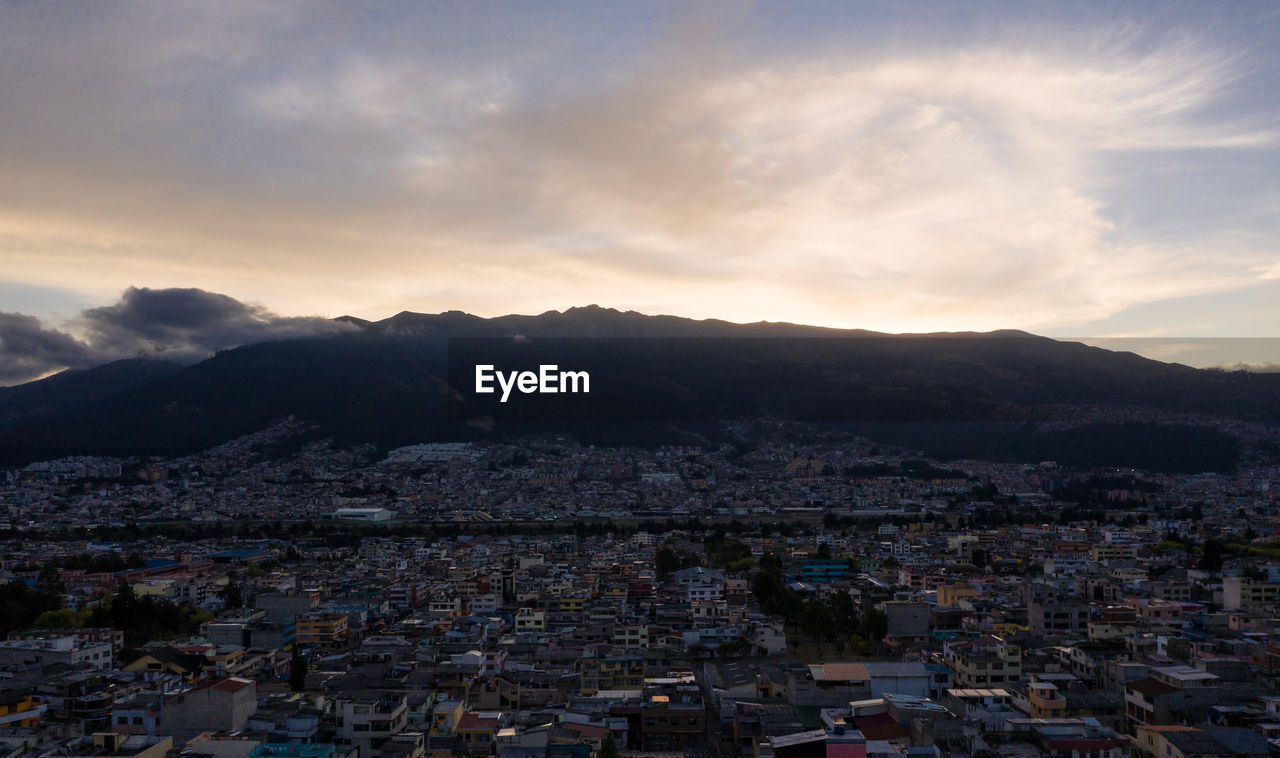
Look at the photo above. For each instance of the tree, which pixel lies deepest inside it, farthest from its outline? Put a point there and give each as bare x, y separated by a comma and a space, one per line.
63, 618
667, 562
297, 671
1211, 560
50, 580
608, 748
844, 613
816, 621
20, 605
875, 624
231, 594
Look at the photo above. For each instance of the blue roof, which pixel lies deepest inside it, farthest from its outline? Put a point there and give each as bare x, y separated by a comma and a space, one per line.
160, 563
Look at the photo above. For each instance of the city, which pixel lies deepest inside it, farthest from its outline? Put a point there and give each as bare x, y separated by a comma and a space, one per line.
279, 595
608, 379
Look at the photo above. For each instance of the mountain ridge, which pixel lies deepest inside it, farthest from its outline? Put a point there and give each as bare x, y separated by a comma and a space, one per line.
389, 382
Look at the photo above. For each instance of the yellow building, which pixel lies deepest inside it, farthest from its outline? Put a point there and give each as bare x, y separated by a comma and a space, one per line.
1046, 701
328, 629
613, 673
1176, 742
984, 663
1113, 551
531, 620
1008, 629
477, 730
950, 595
445, 716
19, 711
169, 660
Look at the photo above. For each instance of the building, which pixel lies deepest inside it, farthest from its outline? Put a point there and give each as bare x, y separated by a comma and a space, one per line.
1058, 618
950, 595
611, 673
1239, 593
364, 514
19, 709
673, 716
56, 648
212, 705
908, 620
369, 723
1170, 694
114, 745
324, 629
984, 663
836, 684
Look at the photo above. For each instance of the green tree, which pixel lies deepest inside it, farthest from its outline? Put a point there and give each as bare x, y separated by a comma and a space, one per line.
875, 624
608, 748
20, 605
49, 579
667, 562
1211, 559
231, 593
62, 618
844, 614
297, 671
816, 622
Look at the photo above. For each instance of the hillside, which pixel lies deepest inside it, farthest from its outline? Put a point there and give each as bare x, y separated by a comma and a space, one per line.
408, 378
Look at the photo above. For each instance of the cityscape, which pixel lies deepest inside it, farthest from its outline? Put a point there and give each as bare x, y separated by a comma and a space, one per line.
799, 593
607, 379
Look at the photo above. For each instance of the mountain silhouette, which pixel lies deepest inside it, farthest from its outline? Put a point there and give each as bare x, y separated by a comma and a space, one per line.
407, 379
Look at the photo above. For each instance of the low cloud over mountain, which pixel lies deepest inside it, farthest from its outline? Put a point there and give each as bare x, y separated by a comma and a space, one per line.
180, 324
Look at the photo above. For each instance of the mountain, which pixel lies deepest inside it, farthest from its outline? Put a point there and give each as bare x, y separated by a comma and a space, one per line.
76, 389
408, 378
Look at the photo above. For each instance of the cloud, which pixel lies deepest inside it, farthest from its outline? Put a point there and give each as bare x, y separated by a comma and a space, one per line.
1256, 368
977, 185
178, 324
29, 350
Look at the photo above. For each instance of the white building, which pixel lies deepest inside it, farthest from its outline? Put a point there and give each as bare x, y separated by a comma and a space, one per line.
364, 514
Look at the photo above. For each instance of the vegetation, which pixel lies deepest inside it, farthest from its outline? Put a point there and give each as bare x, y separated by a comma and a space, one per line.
147, 618
668, 562
21, 605
835, 619
297, 671
608, 748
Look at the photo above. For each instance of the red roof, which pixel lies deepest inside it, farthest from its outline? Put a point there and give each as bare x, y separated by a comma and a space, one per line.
587, 730
880, 726
1150, 688
230, 684
471, 721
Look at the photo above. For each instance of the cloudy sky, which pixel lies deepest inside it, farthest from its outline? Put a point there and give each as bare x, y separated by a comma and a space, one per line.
1072, 169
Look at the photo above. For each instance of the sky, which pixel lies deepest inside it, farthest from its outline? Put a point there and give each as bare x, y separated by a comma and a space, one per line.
1108, 171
